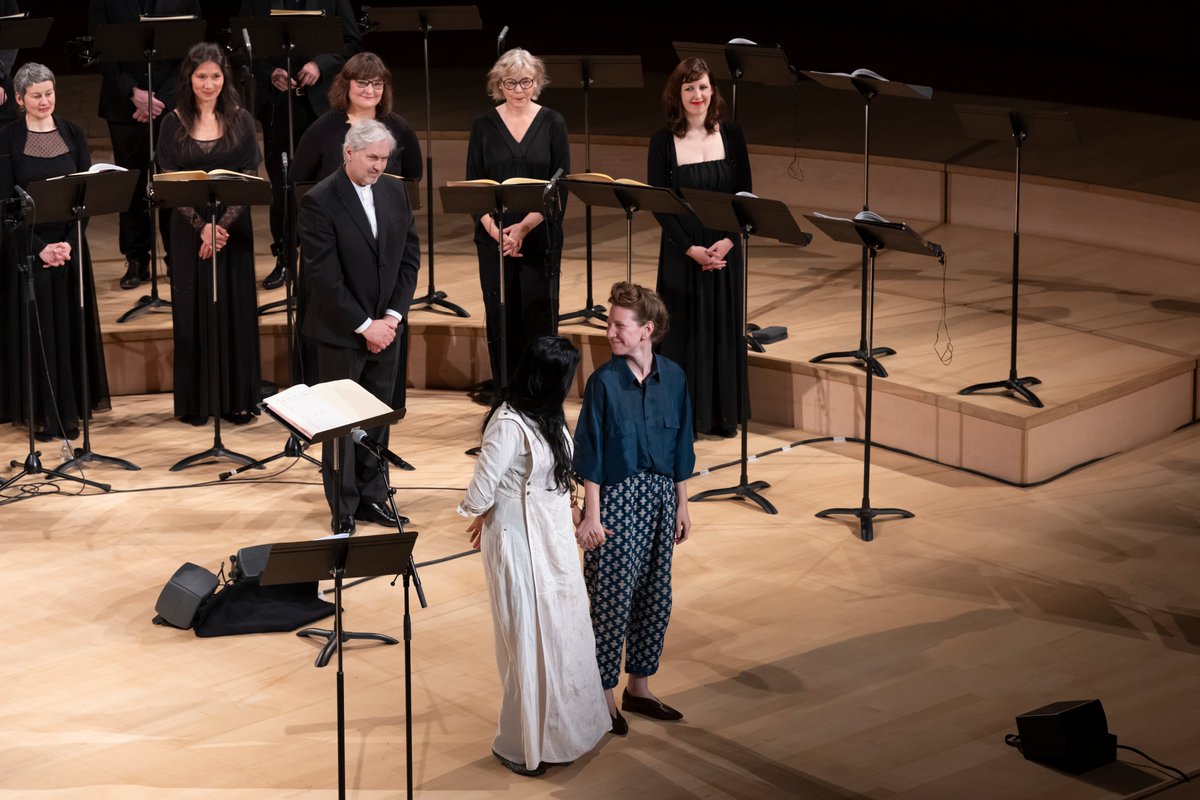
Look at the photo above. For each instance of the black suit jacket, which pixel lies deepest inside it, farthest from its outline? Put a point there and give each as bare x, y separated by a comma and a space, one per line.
350, 275
330, 64
120, 78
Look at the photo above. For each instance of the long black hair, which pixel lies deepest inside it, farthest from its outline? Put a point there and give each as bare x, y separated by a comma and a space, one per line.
228, 101
537, 390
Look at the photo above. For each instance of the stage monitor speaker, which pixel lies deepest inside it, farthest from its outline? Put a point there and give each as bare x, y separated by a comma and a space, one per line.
1071, 735
249, 561
182, 597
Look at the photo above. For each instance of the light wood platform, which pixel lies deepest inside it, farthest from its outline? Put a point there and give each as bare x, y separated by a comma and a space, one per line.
1109, 310
809, 664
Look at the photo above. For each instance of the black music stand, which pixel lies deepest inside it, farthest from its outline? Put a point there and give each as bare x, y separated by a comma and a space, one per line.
149, 40
213, 193
290, 35
874, 234
75, 198
340, 558
629, 198
495, 200
869, 85
739, 61
587, 73
32, 465
425, 19
748, 216
998, 123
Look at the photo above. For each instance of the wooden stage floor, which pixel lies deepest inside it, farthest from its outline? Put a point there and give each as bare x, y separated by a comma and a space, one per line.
809, 663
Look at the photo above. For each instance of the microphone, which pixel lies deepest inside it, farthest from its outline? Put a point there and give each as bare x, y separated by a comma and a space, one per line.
26, 201
379, 451
284, 162
246, 40
500, 41
553, 184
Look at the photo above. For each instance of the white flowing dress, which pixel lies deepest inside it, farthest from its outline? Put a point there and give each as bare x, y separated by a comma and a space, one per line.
553, 709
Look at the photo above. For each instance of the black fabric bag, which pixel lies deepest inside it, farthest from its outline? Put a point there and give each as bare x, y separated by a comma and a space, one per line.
247, 607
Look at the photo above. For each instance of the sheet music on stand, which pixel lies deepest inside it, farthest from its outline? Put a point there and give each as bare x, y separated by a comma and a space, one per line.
328, 410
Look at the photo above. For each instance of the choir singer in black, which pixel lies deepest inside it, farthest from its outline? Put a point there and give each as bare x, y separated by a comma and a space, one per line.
361, 255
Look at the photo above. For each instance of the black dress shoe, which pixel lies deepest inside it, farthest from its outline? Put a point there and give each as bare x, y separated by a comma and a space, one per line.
378, 513
136, 271
521, 769
648, 707
343, 524
277, 276
619, 727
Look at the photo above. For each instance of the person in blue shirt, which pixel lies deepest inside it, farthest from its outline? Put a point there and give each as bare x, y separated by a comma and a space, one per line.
633, 454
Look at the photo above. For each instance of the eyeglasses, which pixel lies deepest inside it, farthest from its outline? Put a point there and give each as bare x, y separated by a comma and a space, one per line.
364, 85
512, 83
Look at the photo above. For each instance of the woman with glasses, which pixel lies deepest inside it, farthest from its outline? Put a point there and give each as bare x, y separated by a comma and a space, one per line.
517, 139
362, 90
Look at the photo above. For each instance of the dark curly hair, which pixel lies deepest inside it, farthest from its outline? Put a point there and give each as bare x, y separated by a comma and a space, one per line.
690, 70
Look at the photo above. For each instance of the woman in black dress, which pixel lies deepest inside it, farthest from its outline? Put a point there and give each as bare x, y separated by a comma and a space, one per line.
517, 139
362, 90
36, 147
700, 270
210, 130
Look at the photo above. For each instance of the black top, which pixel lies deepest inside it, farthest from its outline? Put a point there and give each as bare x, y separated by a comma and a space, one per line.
120, 78
493, 153
317, 95
319, 151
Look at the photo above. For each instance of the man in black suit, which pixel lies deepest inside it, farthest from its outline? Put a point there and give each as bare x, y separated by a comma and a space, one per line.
361, 256
125, 104
309, 83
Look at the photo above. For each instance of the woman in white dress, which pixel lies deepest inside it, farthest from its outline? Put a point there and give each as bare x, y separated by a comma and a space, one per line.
553, 709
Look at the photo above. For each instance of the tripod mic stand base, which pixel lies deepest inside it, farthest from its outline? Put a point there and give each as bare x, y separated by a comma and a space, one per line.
746, 491
32, 465
585, 314
439, 299
866, 515
331, 642
88, 457
146, 303
860, 355
212, 452
1014, 385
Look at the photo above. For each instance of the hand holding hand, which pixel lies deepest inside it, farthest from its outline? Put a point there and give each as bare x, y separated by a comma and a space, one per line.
379, 334
704, 258
55, 255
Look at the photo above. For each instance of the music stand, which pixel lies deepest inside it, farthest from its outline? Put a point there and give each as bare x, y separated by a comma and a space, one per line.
425, 19
495, 200
340, 558
629, 197
874, 235
869, 85
765, 64
213, 194
588, 72
75, 198
998, 123
149, 40
32, 465
748, 216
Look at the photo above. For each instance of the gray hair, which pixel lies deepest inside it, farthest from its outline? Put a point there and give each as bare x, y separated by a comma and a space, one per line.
509, 64
366, 133
28, 75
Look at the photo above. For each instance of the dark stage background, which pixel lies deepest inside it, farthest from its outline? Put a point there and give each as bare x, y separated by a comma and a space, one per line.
1142, 57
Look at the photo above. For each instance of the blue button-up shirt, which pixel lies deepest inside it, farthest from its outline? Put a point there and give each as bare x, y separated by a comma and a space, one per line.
626, 427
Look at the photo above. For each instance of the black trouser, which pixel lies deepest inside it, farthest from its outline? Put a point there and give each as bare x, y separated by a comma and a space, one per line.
527, 311
131, 149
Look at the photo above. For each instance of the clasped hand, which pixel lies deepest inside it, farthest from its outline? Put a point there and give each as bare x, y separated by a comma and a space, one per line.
380, 333
206, 239
309, 74
590, 534
55, 255
143, 109
711, 257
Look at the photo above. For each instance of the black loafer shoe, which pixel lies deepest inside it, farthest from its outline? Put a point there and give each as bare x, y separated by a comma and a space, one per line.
277, 276
378, 513
619, 727
521, 769
647, 707
343, 524
135, 272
